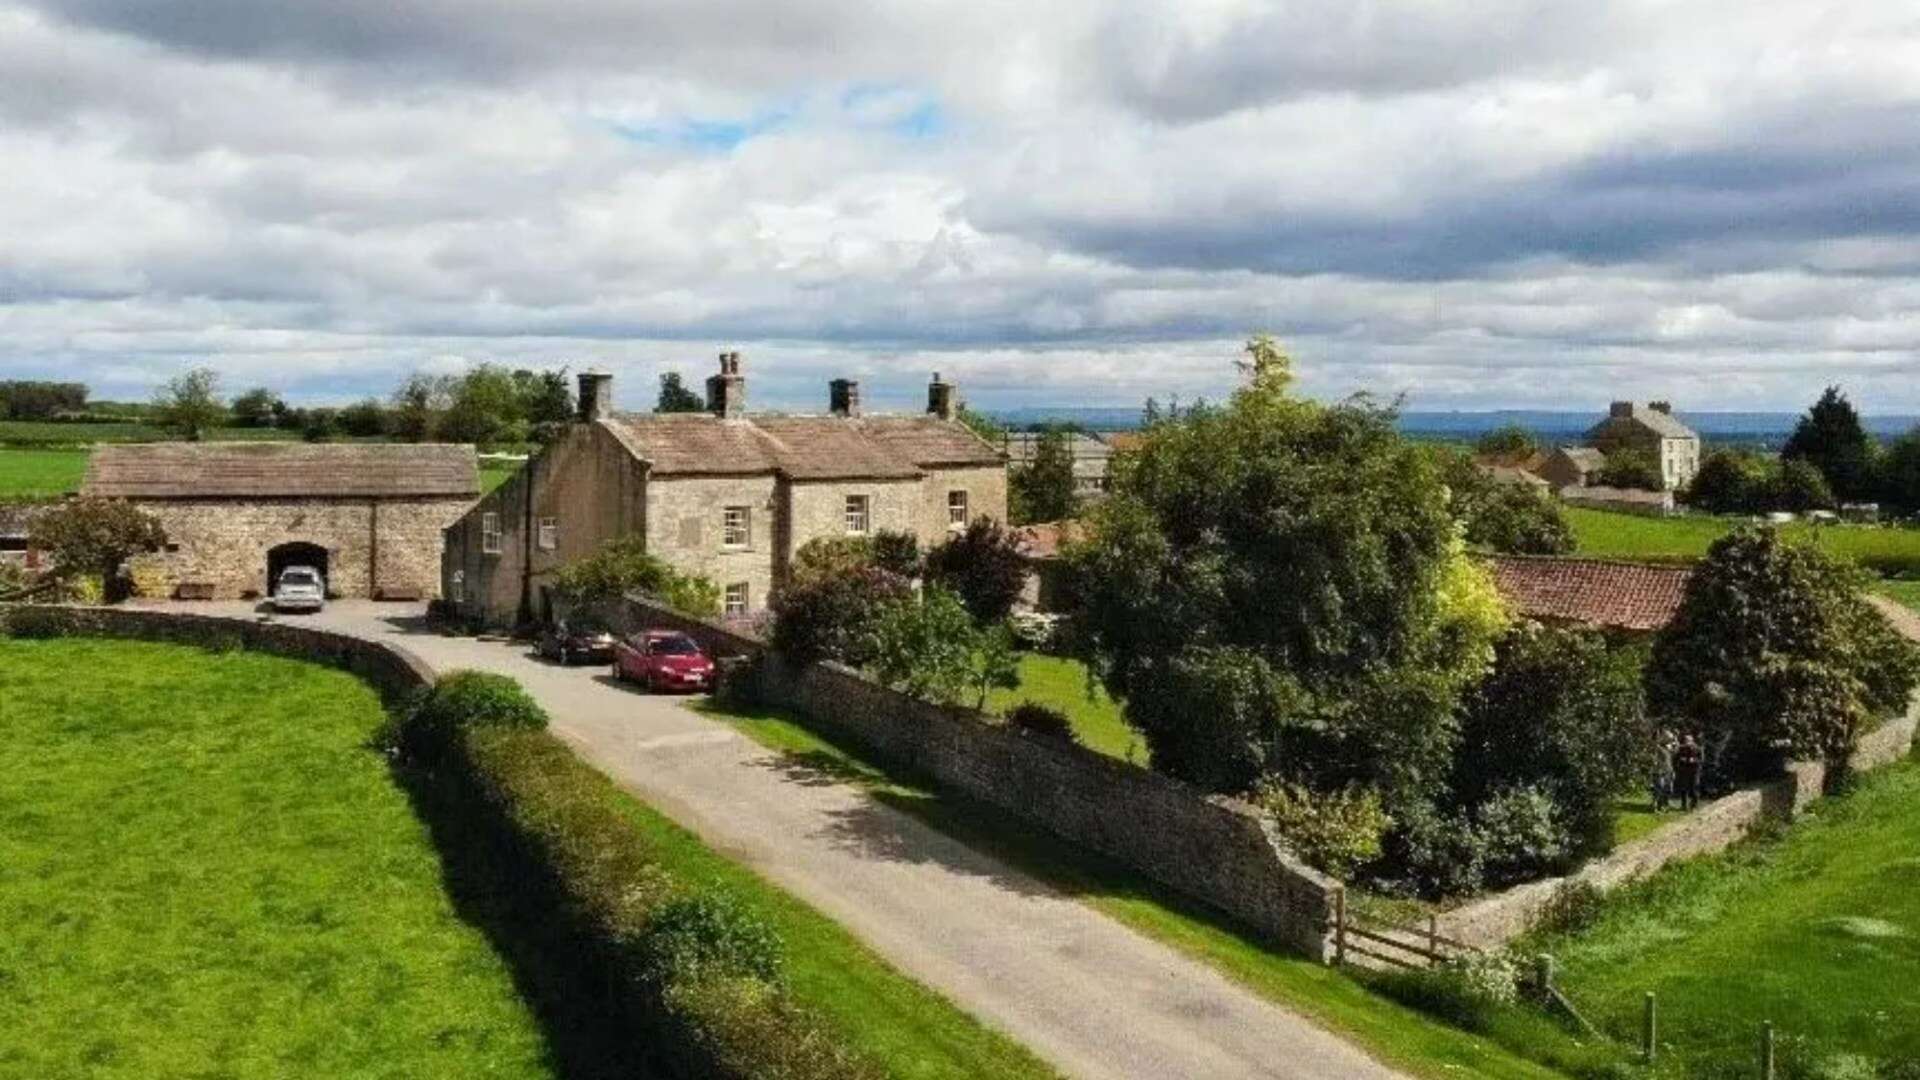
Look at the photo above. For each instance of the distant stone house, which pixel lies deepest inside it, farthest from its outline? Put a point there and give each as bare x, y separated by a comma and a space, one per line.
1653, 430
1572, 466
1091, 454
723, 494
1516, 476
368, 516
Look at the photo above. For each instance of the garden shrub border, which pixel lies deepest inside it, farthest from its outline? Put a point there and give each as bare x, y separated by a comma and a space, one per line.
551, 836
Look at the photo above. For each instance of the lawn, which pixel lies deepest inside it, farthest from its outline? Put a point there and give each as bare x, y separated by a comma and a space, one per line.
1907, 592
1398, 1035
44, 433
495, 473
34, 474
1062, 684
1817, 931
1887, 549
204, 871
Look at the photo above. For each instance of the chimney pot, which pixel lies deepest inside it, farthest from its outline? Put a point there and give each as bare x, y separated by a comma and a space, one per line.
942, 398
1661, 407
596, 396
727, 391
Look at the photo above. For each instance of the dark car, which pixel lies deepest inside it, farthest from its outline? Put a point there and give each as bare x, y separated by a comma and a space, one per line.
572, 640
663, 660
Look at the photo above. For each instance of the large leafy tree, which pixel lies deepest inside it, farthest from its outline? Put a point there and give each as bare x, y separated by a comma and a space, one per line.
419, 404
89, 537
1831, 439
1635, 469
983, 566
189, 404
675, 397
255, 408
1732, 482
1276, 587
488, 409
1042, 489
1773, 649
1509, 443
1501, 516
546, 402
1900, 472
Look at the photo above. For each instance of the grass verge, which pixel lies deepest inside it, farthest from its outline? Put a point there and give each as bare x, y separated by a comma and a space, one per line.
1397, 1035
40, 474
1816, 929
203, 870
1061, 683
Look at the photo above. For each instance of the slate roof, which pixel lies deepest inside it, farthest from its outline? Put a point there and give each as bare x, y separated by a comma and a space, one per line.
228, 470
1587, 458
799, 447
1592, 592
1663, 424
1513, 474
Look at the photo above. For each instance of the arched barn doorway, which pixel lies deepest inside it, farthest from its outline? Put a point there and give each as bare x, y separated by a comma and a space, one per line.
297, 553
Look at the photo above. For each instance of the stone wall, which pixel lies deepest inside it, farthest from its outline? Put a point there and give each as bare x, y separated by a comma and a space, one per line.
686, 528
1495, 920
224, 542
986, 490
391, 670
1216, 850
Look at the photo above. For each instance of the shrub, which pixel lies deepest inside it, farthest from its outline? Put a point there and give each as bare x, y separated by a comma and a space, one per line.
1337, 832
983, 566
1434, 854
624, 565
833, 618
708, 935
462, 700
1042, 721
1214, 717
1520, 837
1799, 487
1501, 516
1732, 482
1632, 469
897, 553
1469, 992
95, 537
1574, 906
827, 557
929, 647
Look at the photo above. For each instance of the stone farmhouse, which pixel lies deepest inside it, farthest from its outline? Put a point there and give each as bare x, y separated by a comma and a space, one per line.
367, 516
1652, 430
724, 494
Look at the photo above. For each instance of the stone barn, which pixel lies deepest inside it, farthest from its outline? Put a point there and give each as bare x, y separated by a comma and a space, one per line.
368, 516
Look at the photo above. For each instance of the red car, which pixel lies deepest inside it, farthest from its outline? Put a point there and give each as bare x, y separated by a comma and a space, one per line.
663, 660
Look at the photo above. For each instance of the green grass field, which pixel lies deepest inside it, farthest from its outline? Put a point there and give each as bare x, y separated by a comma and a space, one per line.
1400, 1036
1061, 683
204, 871
1907, 592
42, 433
40, 474
1886, 549
1817, 932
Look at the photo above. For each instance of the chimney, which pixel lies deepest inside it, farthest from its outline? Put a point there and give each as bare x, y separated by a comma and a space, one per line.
727, 391
1661, 407
942, 401
1620, 408
843, 397
596, 396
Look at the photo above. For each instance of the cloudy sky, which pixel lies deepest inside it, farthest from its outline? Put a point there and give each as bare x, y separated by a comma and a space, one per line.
1480, 204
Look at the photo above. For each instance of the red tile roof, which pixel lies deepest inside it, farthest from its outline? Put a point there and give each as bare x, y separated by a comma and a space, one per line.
1043, 540
1592, 592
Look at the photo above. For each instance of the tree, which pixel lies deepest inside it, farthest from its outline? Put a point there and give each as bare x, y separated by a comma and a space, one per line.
929, 647
189, 404
90, 536
675, 397
1900, 472
419, 404
1774, 650
1508, 444
486, 409
1799, 487
1831, 439
364, 419
30, 400
1632, 469
255, 408
1042, 489
1276, 588
546, 402
1561, 713
1500, 516
833, 618
983, 566
1732, 482
319, 424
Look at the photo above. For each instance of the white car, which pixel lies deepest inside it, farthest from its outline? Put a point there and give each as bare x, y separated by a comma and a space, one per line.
300, 588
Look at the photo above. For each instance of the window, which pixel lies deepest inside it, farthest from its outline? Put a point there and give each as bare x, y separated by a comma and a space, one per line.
490, 533
956, 509
549, 534
857, 517
735, 603
734, 531
457, 587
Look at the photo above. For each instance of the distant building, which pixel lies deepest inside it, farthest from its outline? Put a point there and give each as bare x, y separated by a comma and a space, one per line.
366, 515
1598, 593
1572, 466
1090, 457
1653, 430
1619, 500
725, 494
1517, 476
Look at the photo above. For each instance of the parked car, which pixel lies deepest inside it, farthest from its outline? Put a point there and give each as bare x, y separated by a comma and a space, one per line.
571, 640
300, 588
663, 660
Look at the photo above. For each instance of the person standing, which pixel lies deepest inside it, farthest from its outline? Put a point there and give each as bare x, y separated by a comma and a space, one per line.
1686, 772
1664, 746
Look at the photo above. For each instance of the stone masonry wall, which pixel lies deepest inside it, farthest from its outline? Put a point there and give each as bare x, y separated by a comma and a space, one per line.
1498, 919
685, 527
1216, 850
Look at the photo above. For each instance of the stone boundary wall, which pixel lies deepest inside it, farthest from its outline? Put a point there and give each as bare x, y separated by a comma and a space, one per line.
1495, 920
1217, 850
391, 670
